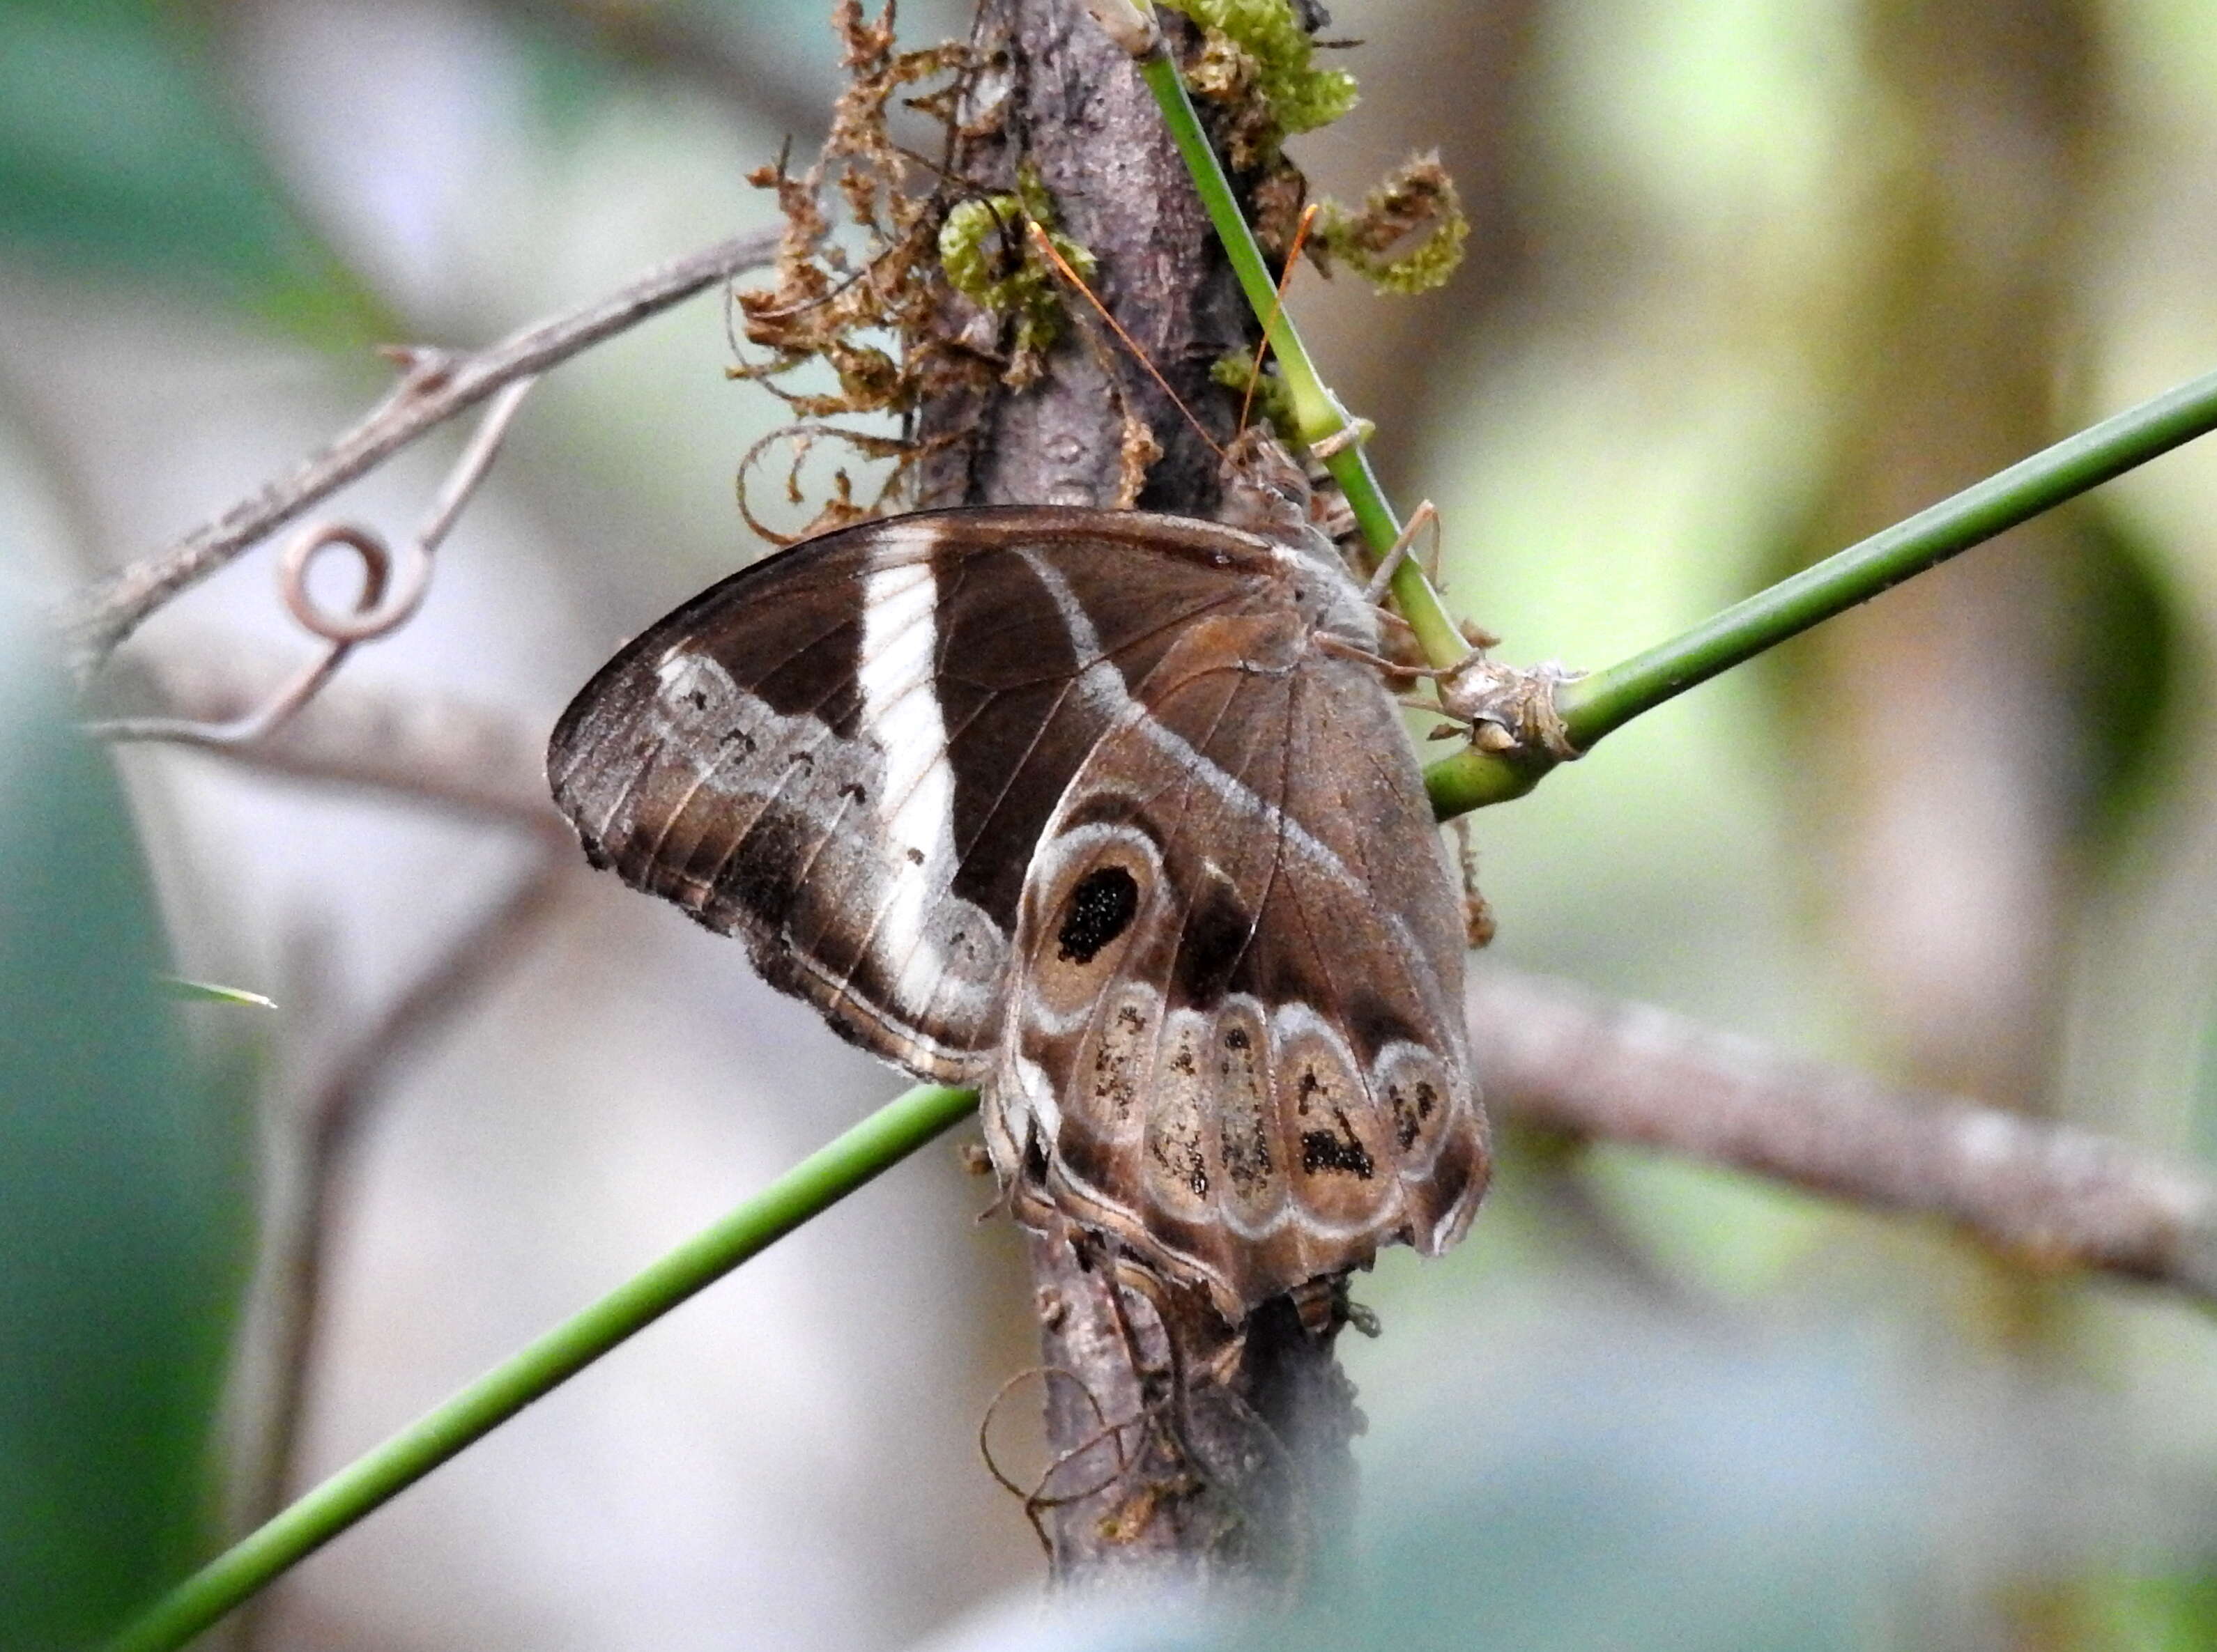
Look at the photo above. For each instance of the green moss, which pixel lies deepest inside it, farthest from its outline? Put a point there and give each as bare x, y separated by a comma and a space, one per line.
986, 249
1273, 402
1298, 96
1424, 267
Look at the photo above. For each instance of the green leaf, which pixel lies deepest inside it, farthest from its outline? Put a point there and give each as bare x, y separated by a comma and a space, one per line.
178, 987
2128, 660
121, 1198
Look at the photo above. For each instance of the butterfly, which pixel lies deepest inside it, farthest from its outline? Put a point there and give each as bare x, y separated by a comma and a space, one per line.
1102, 812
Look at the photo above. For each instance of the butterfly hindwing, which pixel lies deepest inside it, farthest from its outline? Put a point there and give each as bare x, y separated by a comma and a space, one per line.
1234, 1029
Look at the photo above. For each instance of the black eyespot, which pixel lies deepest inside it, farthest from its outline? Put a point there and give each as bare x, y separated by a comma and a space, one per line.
1100, 909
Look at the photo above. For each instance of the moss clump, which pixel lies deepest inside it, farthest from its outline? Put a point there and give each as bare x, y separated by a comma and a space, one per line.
1269, 400
1416, 211
860, 299
1258, 48
989, 256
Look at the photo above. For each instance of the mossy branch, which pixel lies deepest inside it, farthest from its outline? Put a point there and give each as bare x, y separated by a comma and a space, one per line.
1589, 707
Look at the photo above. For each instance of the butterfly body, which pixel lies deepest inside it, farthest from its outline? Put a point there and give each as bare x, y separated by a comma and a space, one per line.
1074, 806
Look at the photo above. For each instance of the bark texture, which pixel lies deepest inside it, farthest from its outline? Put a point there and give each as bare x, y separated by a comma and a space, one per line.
1180, 1445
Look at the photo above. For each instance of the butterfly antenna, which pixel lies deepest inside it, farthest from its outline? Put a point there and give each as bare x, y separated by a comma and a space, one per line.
1277, 308
1046, 244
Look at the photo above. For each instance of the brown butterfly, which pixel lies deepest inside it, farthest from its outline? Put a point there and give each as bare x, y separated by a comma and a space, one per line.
1092, 810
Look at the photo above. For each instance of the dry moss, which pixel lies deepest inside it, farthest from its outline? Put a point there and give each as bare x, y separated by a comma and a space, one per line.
945, 291
1416, 211
926, 286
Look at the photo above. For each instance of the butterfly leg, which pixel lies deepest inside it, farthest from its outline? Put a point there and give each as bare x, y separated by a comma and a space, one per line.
1332, 643
1023, 1196
1424, 517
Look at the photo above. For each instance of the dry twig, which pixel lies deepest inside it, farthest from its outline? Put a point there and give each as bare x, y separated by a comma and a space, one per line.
392, 588
2050, 1194
434, 387
425, 747
332, 1115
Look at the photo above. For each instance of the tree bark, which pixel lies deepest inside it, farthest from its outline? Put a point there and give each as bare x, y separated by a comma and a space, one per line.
1180, 1445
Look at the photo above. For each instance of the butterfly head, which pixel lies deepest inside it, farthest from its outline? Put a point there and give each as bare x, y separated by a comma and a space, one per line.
1265, 490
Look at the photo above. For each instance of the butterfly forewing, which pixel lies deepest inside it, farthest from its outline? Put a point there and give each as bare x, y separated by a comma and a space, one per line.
845, 753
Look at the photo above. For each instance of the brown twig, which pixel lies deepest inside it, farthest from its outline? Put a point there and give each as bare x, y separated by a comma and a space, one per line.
429, 747
434, 387
2049, 1194
383, 606
430, 750
1549, 1052
693, 46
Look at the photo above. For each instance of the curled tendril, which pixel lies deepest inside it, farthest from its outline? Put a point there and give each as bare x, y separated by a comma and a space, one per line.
387, 601
381, 608
1036, 1500
842, 509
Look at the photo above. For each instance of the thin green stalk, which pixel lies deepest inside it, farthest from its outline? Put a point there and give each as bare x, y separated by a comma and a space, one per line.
818, 1182
1470, 778
1594, 705
1597, 705
1318, 415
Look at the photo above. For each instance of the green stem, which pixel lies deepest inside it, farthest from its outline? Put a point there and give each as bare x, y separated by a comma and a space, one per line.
1318, 415
1597, 705
1472, 779
818, 1181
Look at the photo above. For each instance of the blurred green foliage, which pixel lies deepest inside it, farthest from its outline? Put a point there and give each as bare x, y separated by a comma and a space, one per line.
121, 1238
2171, 1613
119, 155
2137, 668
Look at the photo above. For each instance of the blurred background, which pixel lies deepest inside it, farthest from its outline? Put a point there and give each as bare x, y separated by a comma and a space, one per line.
1746, 282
